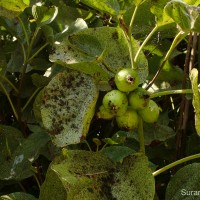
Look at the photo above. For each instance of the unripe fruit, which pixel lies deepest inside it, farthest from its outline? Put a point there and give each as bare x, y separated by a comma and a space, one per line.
104, 114
150, 114
127, 80
115, 102
138, 99
129, 120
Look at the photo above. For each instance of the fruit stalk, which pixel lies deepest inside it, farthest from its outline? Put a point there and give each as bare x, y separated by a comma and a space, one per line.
170, 92
176, 163
141, 135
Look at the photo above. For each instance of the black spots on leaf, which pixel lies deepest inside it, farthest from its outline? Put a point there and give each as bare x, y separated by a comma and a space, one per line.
74, 126
73, 115
115, 35
56, 130
61, 102
71, 82
90, 190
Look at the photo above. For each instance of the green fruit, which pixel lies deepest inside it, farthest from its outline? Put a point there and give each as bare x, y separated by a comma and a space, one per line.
129, 120
104, 113
138, 99
150, 114
127, 80
115, 102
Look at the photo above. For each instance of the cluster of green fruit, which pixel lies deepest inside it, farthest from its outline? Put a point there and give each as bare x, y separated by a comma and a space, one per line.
128, 102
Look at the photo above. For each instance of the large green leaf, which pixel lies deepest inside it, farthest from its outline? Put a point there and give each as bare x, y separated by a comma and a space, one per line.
44, 15
90, 175
192, 2
108, 6
195, 22
138, 2
117, 153
156, 132
162, 19
196, 98
17, 153
179, 12
68, 107
186, 16
79, 175
39, 80
18, 196
144, 20
134, 180
14, 5
12, 8
100, 52
69, 20
184, 184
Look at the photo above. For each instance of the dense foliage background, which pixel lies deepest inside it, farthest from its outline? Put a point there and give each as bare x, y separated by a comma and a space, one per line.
40, 39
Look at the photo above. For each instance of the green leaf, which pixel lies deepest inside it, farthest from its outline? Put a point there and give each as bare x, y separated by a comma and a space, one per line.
37, 106
195, 23
10, 138
18, 196
184, 181
39, 80
138, 2
144, 20
68, 20
169, 73
196, 98
17, 153
192, 2
109, 141
179, 12
193, 144
108, 6
7, 13
134, 180
14, 5
162, 19
117, 153
39, 63
108, 54
16, 61
156, 132
44, 15
125, 5
48, 33
79, 175
66, 109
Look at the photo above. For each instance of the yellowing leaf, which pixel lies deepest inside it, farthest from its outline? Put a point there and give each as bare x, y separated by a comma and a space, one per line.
14, 5
196, 98
68, 107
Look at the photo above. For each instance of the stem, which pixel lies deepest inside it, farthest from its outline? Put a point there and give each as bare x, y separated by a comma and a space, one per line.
9, 82
176, 41
129, 38
132, 20
37, 52
24, 66
86, 142
169, 92
10, 101
176, 163
29, 100
145, 42
32, 41
36, 179
24, 53
141, 135
24, 29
